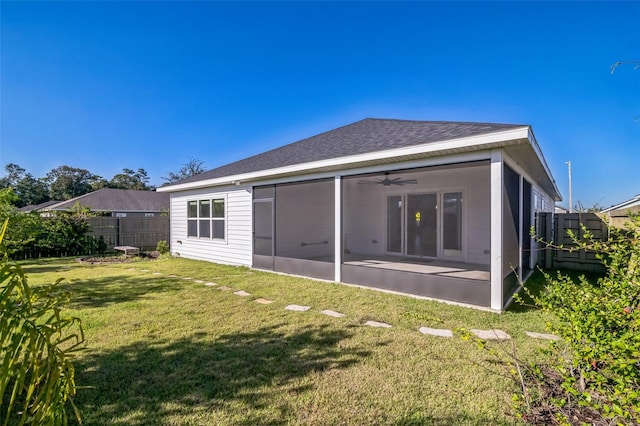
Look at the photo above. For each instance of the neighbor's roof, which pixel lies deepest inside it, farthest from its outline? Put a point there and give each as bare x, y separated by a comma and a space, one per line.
120, 200
633, 202
375, 142
361, 137
36, 207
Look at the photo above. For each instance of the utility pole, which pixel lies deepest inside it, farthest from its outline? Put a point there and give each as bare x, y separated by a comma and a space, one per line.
568, 163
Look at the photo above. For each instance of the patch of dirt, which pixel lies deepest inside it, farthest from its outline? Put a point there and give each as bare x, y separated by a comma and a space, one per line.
544, 413
109, 259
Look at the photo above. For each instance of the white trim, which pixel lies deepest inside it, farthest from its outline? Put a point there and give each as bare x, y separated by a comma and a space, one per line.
225, 219
629, 203
472, 143
520, 225
338, 228
497, 213
536, 148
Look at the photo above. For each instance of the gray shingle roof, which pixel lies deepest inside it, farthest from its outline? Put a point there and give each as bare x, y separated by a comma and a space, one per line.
36, 207
365, 136
122, 200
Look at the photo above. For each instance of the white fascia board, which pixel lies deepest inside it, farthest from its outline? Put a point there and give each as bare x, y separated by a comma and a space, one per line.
479, 142
629, 203
538, 151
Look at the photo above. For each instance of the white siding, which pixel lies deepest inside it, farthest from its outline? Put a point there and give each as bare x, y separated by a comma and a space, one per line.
236, 249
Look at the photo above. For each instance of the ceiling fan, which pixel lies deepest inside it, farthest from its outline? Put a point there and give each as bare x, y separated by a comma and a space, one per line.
388, 182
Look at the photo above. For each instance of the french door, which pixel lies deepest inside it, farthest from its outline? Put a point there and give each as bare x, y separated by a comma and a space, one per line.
422, 225
425, 225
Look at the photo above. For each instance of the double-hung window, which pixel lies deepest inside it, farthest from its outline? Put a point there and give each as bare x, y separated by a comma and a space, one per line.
206, 218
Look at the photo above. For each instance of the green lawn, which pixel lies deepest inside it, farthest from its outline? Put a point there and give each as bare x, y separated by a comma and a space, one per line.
164, 350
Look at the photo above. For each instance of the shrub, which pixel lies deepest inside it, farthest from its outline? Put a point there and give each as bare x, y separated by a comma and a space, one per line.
162, 247
37, 344
60, 234
598, 360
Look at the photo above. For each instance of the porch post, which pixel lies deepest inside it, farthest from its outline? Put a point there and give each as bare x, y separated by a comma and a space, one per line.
497, 213
338, 228
521, 227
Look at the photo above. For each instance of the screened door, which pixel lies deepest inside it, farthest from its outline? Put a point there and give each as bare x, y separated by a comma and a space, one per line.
263, 224
422, 225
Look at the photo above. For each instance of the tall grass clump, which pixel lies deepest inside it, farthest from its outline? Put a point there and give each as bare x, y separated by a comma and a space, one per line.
37, 345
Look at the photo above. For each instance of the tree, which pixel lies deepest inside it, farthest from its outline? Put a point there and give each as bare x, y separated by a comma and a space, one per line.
28, 189
13, 174
129, 179
191, 168
31, 191
67, 182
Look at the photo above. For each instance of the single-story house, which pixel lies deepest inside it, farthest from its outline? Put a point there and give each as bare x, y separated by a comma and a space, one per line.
118, 203
617, 215
428, 208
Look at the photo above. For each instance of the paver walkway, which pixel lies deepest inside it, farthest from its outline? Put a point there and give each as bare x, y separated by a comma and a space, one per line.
332, 313
541, 335
378, 324
441, 332
298, 308
492, 334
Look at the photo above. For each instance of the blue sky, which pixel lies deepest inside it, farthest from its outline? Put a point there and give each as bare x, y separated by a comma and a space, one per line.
103, 86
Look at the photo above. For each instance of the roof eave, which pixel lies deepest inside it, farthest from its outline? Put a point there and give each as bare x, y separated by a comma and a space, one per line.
543, 162
432, 149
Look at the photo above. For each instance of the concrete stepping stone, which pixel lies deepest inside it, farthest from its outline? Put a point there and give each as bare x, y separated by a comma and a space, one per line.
210, 284
378, 324
332, 313
224, 288
441, 332
493, 334
187, 278
145, 270
541, 335
198, 281
241, 293
298, 308
263, 301
157, 273
172, 276
132, 269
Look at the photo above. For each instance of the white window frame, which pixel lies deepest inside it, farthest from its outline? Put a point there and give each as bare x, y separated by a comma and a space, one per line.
197, 219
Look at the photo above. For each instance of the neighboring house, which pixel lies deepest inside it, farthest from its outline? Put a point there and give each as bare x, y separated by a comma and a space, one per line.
38, 207
118, 203
428, 208
560, 209
618, 215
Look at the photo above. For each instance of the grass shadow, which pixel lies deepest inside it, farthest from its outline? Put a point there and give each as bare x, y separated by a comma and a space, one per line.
154, 379
100, 292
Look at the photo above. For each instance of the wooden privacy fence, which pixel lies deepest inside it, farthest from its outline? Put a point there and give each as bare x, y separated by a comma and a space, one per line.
553, 228
129, 231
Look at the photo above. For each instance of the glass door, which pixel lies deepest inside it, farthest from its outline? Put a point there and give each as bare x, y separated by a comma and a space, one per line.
422, 225
394, 224
452, 224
